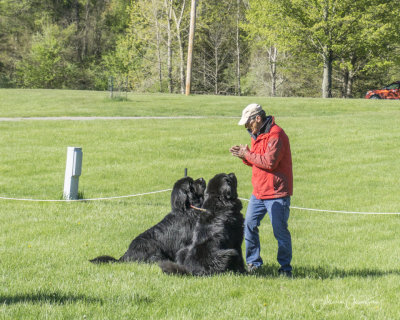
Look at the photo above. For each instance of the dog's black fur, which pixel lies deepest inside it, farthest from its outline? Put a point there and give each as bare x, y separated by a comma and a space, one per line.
218, 235
163, 241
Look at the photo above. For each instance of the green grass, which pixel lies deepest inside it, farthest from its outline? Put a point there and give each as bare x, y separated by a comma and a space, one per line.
345, 155
51, 103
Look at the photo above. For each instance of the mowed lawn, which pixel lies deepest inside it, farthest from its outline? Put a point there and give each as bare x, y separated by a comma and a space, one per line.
346, 158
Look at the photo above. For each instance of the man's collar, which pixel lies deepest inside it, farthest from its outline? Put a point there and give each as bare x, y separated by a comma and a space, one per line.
266, 126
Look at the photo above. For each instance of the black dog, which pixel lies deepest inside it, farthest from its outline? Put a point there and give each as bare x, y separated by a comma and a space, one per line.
163, 241
218, 235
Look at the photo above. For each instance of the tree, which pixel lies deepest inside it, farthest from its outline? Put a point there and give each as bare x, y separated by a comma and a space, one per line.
215, 45
46, 65
147, 51
325, 27
240, 18
272, 47
137, 54
371, 46
259, 33
17, 23
178, 19
92, 27
168, 15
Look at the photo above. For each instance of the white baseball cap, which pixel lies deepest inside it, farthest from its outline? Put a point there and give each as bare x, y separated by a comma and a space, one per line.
249, 111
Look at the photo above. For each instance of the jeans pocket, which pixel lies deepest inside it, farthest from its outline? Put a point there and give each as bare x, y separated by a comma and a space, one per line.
286, 203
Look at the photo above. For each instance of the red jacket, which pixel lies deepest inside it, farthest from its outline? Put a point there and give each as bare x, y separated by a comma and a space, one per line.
271, 161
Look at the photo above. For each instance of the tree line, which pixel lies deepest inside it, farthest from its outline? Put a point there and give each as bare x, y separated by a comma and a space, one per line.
328, 48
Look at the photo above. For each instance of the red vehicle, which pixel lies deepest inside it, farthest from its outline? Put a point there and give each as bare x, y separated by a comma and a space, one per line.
392, 91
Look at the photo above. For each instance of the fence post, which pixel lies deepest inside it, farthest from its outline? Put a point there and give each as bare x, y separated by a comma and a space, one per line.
73, 170
111, 86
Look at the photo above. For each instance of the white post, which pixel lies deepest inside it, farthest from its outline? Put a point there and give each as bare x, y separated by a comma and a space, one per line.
72, 172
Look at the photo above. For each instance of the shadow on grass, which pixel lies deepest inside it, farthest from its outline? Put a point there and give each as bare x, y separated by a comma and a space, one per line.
311, 272
61, 298
47, 298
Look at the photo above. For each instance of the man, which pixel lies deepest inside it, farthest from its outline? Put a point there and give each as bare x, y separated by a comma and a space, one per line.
272, 179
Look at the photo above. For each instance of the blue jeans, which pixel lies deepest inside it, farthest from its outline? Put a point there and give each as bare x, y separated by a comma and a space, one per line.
278, 210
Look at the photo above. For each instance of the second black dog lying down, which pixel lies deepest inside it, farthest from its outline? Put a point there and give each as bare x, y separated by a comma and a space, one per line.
162, 241
218, 235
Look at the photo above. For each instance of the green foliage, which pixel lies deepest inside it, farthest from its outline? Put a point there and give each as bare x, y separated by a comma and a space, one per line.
358, 35
79, 44
57, 42
215, 46
136, 52
47, 66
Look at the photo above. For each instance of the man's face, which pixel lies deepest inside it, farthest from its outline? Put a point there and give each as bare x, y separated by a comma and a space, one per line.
254, 124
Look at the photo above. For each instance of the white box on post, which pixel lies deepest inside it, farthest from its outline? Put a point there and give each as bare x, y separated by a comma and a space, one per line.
73, 170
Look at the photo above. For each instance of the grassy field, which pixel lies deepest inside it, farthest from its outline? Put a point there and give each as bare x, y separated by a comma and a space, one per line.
345, 153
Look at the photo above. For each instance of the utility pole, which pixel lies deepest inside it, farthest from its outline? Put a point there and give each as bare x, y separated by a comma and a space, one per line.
190, 46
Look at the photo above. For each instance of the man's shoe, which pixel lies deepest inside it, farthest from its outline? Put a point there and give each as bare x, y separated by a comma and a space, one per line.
251, 268
283, 273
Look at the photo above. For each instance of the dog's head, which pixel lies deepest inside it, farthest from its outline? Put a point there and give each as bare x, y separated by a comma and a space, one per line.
221, 192
187, 192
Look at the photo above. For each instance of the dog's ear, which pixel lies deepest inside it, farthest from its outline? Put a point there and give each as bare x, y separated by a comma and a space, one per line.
178, 200
179, 197
232, 176
230, 189
226, 187
199, 186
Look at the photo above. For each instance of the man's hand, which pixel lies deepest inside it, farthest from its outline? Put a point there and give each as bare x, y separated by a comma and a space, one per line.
239, 151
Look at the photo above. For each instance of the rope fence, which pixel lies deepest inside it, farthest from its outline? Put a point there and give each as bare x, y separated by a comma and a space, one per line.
165, 190
82, 200
333, 211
